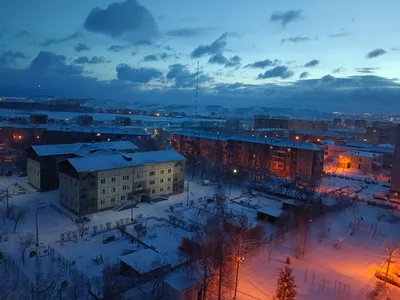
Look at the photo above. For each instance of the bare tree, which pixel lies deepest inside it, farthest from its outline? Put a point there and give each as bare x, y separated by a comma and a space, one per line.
49, 285
111, 281
17, 214
25, 241
82, 224
11, 287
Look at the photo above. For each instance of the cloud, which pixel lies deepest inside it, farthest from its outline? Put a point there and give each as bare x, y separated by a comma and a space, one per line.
216, 47
219, 59
183, 78
81, 47
375, 53
118, 48
286, 17
49, 62
137, 75
304, 75
277, 72
367, 70
298, 39
339, 35
22, 34
74, 36
337, 70
9, 58
189, 32
151, 57
312, 63
126, 20
395, 49
92, 61
262, 64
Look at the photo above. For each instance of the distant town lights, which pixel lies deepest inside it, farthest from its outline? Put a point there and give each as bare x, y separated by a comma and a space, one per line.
98, 134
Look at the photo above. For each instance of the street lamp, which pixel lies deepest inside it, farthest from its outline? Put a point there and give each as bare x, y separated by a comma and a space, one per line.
234, 171
7, 196
239, 260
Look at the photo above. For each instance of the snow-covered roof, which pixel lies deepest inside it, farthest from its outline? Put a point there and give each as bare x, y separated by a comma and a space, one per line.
143, 261
82, 149
181, 279
123, 160
361, 153
250, 139
273, 211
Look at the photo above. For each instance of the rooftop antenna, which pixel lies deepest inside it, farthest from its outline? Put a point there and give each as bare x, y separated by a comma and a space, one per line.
197, 88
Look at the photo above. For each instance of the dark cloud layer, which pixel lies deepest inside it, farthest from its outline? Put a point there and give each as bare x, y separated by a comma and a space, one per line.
339, 35
375, 53
262, 64
188, 32
219, 59
118, 48
298, 39
277, 72
81, 47
126, 20
137, 75
286, 17
181, 77
312, 63
337, 70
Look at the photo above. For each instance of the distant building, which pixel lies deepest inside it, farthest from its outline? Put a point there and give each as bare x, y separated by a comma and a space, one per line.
337, 122
42, 160
309, 125
382, 133
39, 119
91, 184
367, 162
360, 124
271, 122
123, 121
288, 159
84, 120
395, 179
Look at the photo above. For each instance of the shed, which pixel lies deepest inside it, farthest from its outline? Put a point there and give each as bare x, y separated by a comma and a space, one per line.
269, 213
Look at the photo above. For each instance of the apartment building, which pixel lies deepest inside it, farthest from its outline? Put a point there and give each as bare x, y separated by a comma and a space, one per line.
271, 122
309, 125
285, 158
91, 184
42, 160
364, 161
382, 133
395, 179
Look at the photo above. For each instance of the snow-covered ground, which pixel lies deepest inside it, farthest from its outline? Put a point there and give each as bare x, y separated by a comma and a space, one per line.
327, 272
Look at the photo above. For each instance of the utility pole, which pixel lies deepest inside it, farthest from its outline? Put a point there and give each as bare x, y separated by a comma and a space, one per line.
388, 265
37, 229
239, 259
187, 194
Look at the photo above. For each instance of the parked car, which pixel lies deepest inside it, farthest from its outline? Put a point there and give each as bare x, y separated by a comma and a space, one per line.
380, 196
368, 180
8, 173
360, 178
22, 174
341, 176
353, 196
334, 175
353, 178
347, 176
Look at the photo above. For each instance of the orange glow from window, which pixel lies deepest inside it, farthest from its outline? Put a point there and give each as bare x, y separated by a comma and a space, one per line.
297, 137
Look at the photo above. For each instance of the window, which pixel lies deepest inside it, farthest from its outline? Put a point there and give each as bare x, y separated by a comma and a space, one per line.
113, 189
161, 180
102, 202
123, 197
169, 179
112, 179
102, 181
161, 190
152, 173
169, 170
168, 188
138, 175
151, 182
112, 199
153, 191
125, 177
125, 187
103, 191
162, 172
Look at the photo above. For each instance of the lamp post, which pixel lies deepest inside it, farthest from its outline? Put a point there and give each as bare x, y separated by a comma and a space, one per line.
239, 260
187, 194
234, 171
389, 261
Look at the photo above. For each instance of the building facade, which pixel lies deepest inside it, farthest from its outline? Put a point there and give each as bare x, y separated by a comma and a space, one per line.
91, 184
271, 122
382, 133
255, 155
395, 179
42, 160
367, 162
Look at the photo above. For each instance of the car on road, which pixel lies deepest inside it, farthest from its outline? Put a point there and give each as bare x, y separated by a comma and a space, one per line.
380, 196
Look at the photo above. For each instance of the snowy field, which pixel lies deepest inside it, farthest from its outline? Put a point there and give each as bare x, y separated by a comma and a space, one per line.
328, 272
340, 262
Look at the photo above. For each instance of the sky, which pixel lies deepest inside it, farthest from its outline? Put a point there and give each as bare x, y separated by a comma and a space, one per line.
328, 55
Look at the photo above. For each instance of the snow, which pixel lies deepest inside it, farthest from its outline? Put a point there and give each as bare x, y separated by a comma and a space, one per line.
126, 160
180, 280
82, 148
361, 153
271, 211
143, 261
